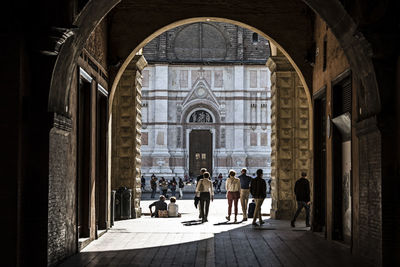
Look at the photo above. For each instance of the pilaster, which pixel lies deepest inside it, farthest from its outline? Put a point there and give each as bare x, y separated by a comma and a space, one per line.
289, 133
126, 126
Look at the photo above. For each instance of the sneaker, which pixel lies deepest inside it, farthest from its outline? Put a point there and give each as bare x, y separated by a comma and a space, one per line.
292, 224
255, 224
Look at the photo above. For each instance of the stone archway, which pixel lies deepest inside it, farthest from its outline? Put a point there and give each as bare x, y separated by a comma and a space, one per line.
353, 43
291, 123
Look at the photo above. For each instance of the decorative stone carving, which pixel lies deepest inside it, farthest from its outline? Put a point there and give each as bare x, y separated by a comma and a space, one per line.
290, 129
200, 116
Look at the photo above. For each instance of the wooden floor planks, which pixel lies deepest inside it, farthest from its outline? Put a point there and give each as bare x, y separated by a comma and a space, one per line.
242, 246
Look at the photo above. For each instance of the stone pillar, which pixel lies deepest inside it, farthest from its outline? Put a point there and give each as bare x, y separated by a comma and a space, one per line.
290, 135
239, 155
160, 155
126, 132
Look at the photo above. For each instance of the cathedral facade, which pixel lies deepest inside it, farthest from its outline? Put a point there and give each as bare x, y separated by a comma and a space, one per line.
206, 101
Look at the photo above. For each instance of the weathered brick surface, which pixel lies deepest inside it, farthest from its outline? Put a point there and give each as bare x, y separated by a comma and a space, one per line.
370, 238
237, 41
61, 238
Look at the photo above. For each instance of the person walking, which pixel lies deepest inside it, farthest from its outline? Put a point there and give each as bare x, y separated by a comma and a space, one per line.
302, 192
258, 188
202, 171
245, 181
153, 184
181, 185
232, 193
204, 188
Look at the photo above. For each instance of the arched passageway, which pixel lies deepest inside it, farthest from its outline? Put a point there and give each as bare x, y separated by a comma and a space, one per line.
291, 122
42, 72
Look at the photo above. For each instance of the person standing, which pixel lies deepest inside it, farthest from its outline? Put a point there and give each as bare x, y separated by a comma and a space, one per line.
153, 184
205, 189
143, 183
202, 171
164, 186
258, 189
181, 186
173, 186
219, 186
232, 193
269, 185
245, 181
302, 192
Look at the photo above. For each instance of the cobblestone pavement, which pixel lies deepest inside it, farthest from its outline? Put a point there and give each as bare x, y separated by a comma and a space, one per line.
187, 242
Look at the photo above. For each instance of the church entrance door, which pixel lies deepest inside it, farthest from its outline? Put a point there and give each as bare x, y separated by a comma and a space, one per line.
200, 151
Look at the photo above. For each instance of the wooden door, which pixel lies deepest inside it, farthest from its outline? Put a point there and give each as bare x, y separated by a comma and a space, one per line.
200, 151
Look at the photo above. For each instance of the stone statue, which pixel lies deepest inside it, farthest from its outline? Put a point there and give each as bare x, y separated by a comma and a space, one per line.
208, 118
202, 117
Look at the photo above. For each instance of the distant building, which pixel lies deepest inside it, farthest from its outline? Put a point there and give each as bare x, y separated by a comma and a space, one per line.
206, 101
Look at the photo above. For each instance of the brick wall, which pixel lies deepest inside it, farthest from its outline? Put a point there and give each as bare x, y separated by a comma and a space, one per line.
370, 201
238, 42
61, 205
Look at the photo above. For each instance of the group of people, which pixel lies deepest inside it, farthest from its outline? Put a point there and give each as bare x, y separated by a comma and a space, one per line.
164, 210
237, 188
164, 185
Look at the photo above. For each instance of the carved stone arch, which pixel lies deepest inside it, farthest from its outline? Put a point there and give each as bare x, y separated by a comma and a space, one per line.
189, 118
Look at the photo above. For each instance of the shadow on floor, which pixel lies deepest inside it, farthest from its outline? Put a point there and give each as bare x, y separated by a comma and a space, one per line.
243, 246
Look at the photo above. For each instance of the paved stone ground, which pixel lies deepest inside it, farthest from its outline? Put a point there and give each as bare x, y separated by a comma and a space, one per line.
187, 242
218, 208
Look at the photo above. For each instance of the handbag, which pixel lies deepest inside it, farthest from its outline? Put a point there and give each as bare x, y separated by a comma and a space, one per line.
162, 214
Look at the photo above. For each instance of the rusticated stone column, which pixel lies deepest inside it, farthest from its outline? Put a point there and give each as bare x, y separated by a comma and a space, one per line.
126, 132
290, 135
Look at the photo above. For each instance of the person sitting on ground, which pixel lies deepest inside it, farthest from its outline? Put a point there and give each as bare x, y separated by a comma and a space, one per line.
173, 208
160, 205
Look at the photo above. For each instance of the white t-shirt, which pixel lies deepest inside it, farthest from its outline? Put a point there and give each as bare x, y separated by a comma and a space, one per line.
173, 210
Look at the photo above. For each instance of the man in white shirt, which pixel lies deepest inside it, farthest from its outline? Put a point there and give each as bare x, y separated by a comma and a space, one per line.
204, 189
